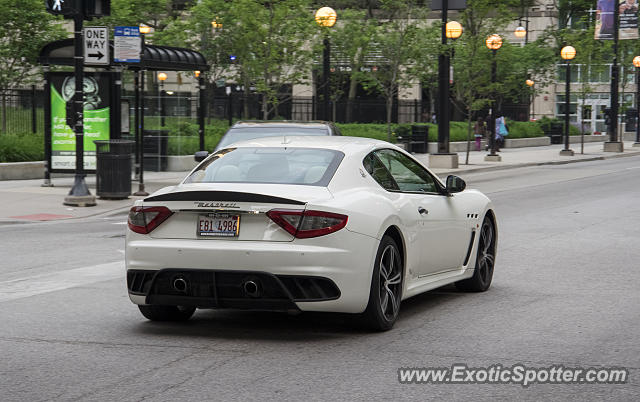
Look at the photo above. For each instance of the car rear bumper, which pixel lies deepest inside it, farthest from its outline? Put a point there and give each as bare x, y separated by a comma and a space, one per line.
290, 273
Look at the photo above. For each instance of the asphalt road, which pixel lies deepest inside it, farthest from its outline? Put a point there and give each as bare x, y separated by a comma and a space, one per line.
565, 291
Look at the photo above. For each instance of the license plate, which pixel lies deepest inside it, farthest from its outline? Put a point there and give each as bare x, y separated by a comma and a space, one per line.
218, 225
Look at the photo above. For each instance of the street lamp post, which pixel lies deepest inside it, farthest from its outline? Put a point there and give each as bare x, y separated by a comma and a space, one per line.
614, 144
444, 158
532, 98
161, 79
493, 42
326, 17
452, 30
636, 63
144, 29
567, 53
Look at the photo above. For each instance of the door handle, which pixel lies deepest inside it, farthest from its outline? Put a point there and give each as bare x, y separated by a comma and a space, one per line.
422, 211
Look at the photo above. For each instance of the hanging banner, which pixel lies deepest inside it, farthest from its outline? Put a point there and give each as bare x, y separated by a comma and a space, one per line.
628, 19
604, 19
96, 119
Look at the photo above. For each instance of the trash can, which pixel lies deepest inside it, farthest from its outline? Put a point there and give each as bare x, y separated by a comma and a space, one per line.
419, 139
556, 132
113, 168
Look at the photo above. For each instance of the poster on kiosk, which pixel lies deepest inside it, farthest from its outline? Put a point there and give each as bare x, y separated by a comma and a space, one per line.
61, 138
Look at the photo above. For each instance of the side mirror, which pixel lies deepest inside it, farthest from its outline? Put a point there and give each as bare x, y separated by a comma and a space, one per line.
201, 155
455, 184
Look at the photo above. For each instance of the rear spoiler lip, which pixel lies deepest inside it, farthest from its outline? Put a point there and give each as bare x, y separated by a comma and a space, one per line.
223, 196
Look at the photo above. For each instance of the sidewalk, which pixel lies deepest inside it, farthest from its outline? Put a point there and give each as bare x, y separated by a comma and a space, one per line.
532, 156
27, 201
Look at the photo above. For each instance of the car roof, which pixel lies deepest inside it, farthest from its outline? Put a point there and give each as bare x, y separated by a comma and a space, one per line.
281, 123
349, 144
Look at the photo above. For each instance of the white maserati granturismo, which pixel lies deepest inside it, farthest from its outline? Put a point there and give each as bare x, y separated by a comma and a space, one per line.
336, 224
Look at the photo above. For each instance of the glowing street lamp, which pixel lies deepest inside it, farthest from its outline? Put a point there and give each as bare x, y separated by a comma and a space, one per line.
493, 43
326, 17
161, 79
530, 84
567, 53
453, 30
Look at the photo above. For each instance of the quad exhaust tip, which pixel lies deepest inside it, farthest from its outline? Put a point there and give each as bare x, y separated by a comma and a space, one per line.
252, 288
180, 285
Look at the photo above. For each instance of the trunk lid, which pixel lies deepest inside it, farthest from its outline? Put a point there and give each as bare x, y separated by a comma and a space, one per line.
205, 208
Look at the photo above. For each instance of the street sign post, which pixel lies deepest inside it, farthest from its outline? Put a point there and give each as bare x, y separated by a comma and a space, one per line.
126, 45
96, 46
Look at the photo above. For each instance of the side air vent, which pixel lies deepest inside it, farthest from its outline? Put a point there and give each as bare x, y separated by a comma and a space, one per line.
466, 259
139, 281
310, 288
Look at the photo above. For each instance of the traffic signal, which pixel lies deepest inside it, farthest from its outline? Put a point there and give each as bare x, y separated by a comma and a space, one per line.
88, 8
63, 7
607, 116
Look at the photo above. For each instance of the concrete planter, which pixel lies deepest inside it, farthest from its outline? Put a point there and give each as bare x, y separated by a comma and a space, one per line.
180, 163
527, 142
575, 139
22, 170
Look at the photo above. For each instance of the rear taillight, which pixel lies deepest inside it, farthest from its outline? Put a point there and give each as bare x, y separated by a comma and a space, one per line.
306, 224
145, 219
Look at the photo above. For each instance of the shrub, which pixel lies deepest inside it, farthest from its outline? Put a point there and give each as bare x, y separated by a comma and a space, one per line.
21, 147
184, 137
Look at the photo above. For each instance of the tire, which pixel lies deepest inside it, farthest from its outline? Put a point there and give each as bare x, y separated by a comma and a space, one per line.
386, 287
485, 260
167, 313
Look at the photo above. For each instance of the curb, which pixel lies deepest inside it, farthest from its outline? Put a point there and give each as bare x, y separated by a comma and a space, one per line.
529, 164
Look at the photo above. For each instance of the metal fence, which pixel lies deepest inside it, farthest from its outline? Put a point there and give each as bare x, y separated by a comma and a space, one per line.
238, 106
22, 110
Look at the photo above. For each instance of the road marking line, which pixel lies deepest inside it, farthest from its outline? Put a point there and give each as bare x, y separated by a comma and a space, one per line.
46, 283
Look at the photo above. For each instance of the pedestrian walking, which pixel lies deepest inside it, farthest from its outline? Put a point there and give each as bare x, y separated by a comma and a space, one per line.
479, 131
501, 131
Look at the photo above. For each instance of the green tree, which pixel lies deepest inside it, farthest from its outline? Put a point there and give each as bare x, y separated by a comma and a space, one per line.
473, 90
268, 39
351, 42
25, 27
399, 40
157, 14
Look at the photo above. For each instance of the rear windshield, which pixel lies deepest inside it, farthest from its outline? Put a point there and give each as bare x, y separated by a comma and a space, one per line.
305, 166
249, 133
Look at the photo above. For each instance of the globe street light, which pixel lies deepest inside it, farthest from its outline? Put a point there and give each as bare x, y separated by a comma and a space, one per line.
493, 43
532, 98
326, 18
636, 63
453, 29
161, 79
520, 32
567, 53
444, 158
139, 81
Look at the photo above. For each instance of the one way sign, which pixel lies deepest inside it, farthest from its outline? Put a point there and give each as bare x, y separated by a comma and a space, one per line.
96, 45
